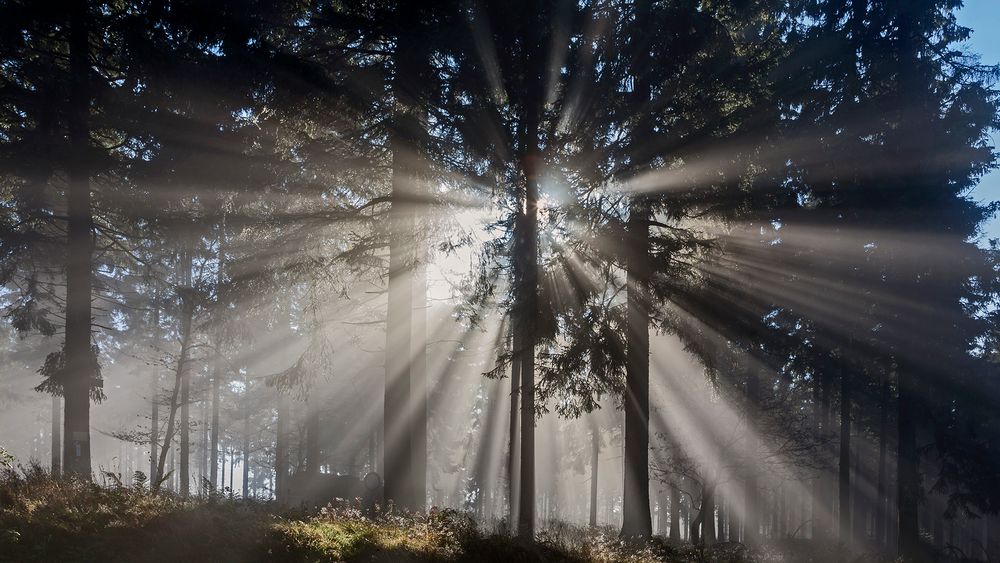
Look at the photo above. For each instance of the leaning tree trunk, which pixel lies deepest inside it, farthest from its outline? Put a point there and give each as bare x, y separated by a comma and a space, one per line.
80, 362
187, 312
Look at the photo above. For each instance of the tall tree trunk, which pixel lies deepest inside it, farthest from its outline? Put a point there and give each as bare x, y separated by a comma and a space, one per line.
826, 471
675, 512
722, 534
79, 356
312, 437
527, 303
595, 454
636, 520
881, 489
707, 515
418, 368
753, 509
154, 423
154, 415
695, 525
817, 486
662, 509
185, 438
246, 446
281, 449
514, 439
526, 485
217, 370
908, 476
861, 491
56, 436
845, 455
485, 456
187, 312
409, 60
203, 458
912, 112
214, 438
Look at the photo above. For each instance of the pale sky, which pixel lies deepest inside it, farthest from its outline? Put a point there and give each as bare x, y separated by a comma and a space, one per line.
983, 17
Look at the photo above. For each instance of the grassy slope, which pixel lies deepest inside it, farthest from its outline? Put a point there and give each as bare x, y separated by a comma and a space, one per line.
42, 519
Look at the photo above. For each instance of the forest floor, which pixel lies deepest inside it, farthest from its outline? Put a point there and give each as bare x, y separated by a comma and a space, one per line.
45, 519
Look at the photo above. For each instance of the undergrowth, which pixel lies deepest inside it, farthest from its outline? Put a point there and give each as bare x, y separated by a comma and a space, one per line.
69, 520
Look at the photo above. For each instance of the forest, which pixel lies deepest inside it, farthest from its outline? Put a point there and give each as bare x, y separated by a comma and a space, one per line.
497, 280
